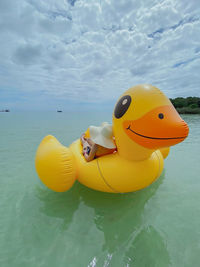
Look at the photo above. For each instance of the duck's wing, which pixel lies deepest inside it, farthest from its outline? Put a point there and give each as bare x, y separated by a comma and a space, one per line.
165, 151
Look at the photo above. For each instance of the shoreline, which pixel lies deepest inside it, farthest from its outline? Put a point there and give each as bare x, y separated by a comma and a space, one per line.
188, 110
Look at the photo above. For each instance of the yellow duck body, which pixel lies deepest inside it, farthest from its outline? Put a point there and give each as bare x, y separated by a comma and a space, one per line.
145, 125
115, 174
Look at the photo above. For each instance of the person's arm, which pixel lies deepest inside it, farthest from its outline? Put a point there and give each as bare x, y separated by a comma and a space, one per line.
82, 138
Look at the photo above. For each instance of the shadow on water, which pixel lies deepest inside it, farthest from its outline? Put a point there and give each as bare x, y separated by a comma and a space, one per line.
118, 216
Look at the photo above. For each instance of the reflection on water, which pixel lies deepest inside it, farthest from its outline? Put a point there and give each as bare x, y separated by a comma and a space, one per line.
157, 226
118, 217
61, 205
148, 249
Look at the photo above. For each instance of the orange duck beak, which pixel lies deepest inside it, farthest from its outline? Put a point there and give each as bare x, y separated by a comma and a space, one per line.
161, 127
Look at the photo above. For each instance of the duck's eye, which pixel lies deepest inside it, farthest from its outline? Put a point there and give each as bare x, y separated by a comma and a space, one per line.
122, 106
161, 116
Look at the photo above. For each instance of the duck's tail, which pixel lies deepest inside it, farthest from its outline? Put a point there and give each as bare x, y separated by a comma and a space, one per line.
55, 165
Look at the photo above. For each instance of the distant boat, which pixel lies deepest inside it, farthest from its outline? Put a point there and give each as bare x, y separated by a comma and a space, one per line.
5, 110
59, 110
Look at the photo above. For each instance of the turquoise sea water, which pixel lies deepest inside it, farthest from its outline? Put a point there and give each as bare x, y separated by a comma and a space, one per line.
157, 226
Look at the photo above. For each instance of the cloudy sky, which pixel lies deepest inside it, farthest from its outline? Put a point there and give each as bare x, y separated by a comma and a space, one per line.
73, 52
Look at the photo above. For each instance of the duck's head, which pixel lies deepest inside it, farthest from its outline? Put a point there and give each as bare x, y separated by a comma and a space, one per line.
145, 120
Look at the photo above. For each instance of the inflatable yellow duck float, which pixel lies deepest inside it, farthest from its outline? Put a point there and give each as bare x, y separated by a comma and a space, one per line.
145, 125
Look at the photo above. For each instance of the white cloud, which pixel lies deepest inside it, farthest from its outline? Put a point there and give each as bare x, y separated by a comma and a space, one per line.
93, 51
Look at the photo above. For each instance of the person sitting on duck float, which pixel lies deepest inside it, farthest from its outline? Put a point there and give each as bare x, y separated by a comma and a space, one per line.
100, 142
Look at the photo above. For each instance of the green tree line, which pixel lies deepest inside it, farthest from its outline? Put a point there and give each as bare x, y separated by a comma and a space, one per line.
189, 104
